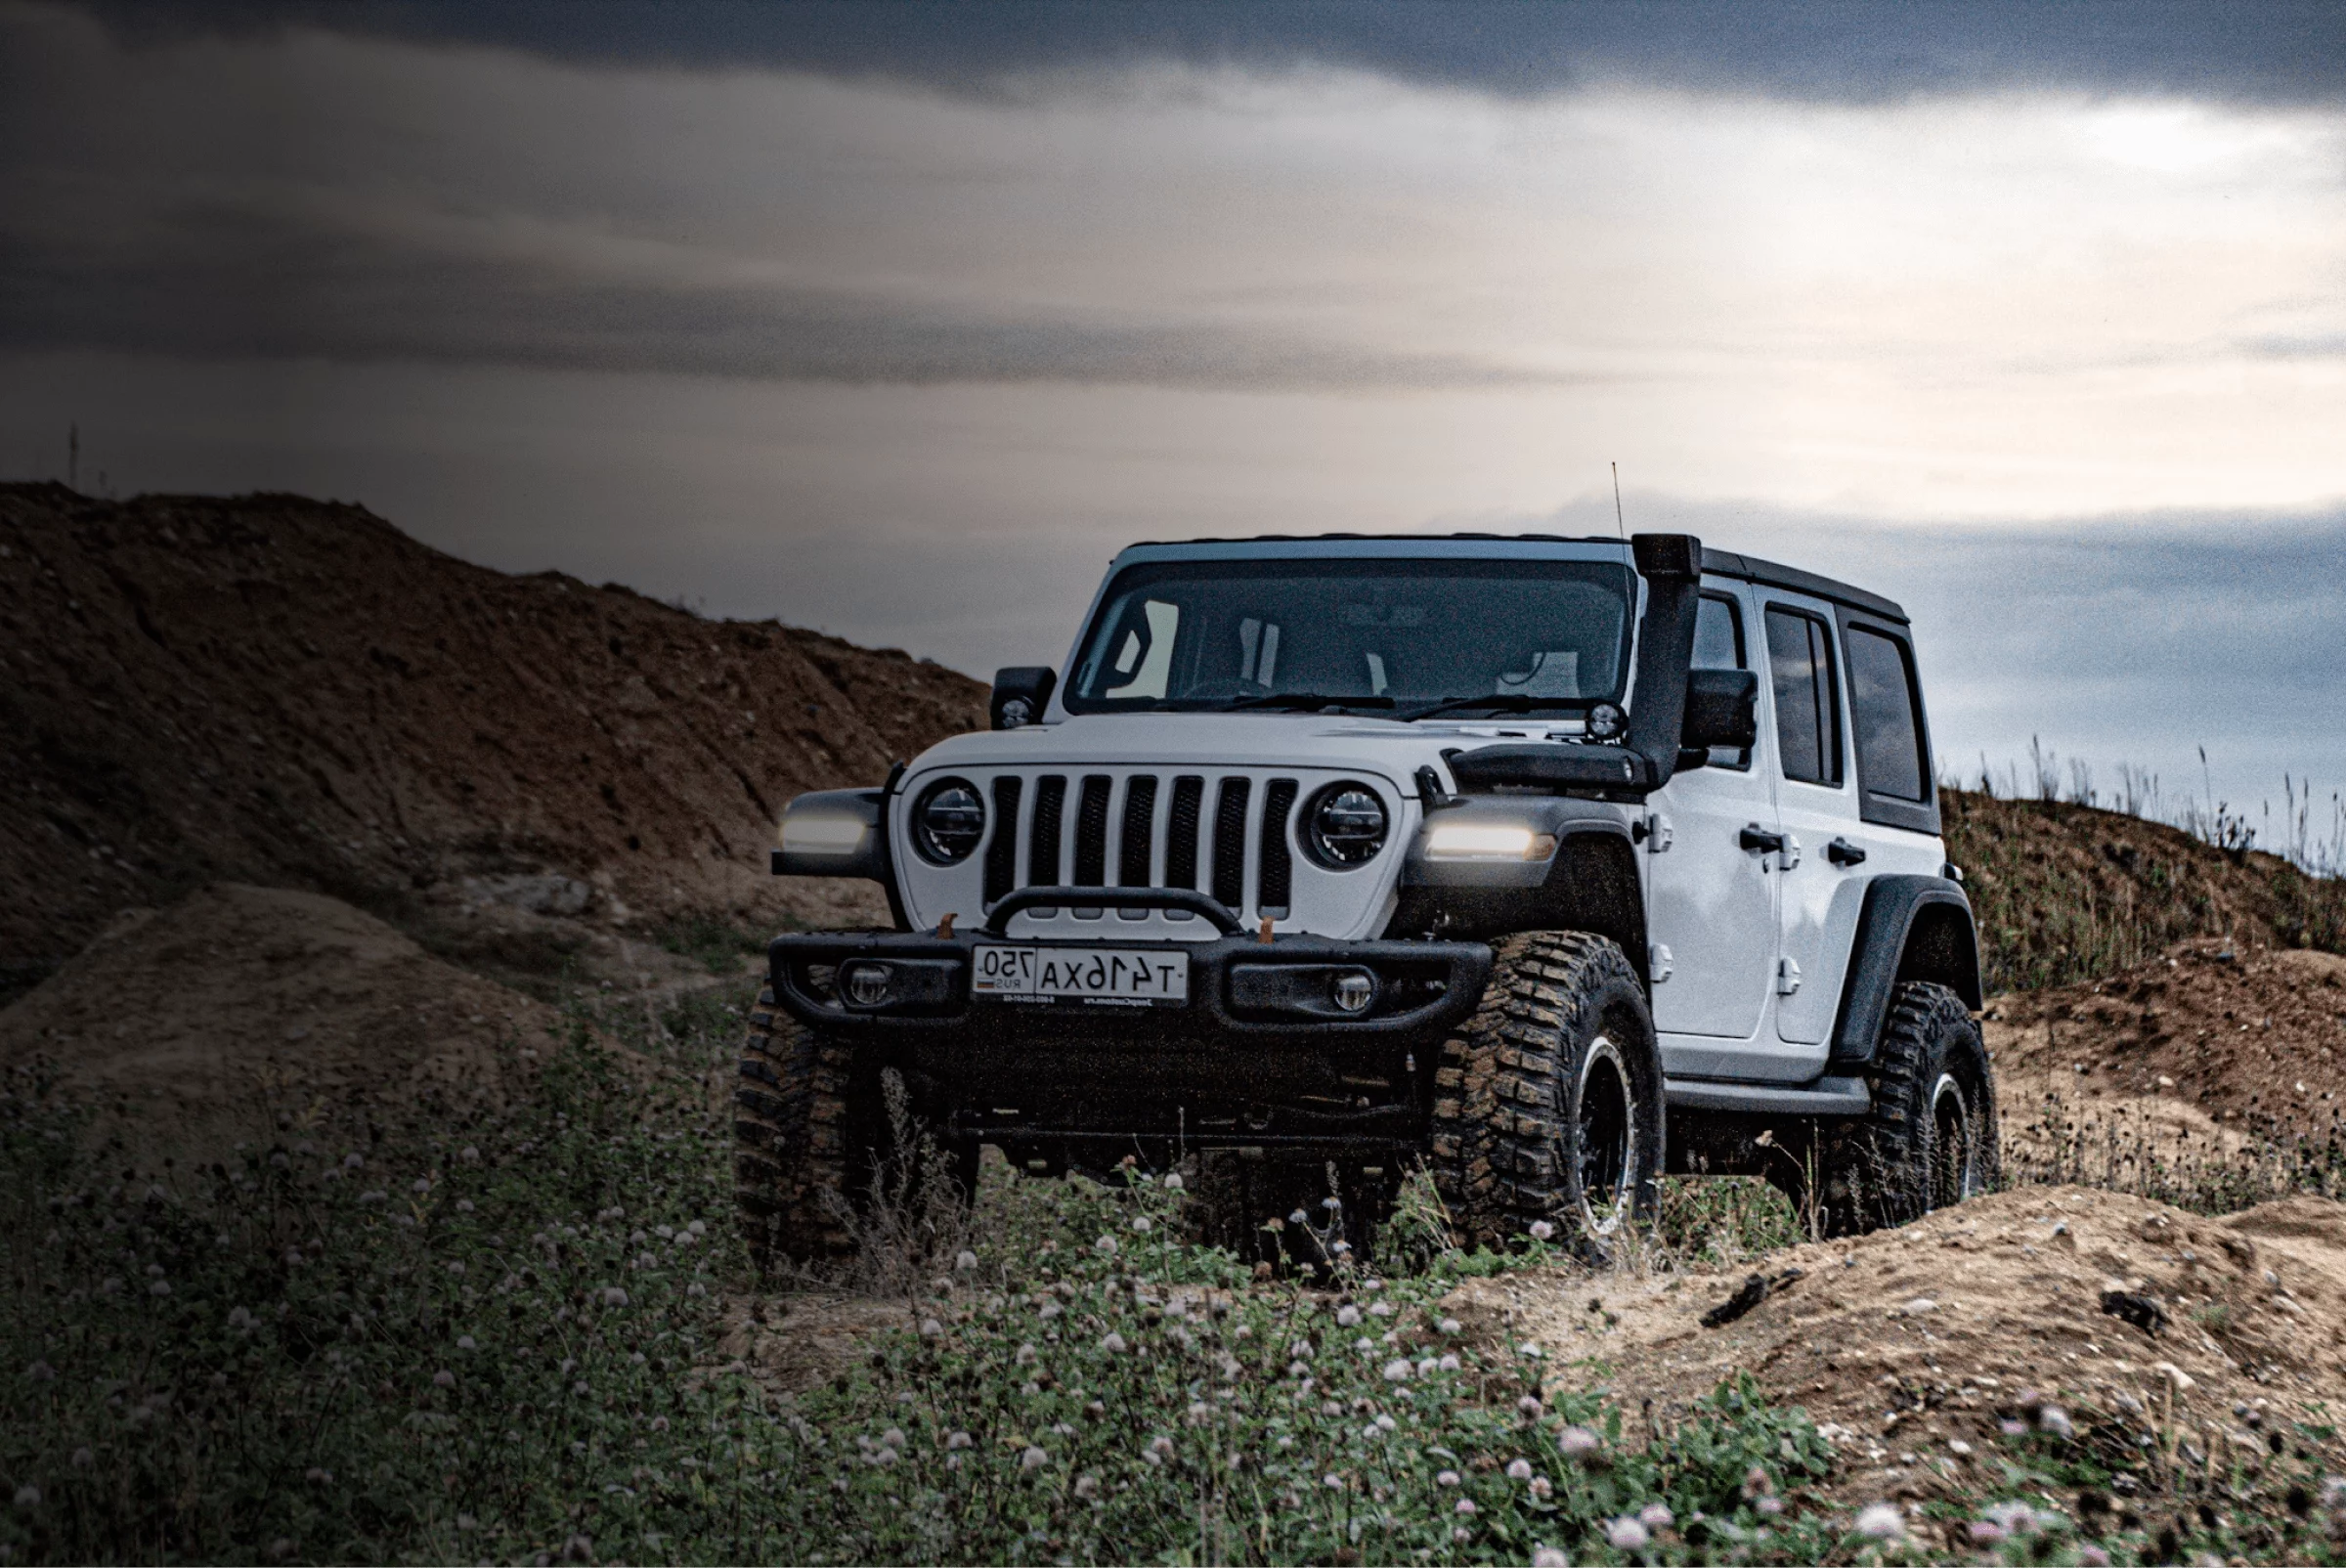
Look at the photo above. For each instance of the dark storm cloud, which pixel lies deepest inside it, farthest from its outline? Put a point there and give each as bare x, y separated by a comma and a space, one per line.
2273, 52
215, 280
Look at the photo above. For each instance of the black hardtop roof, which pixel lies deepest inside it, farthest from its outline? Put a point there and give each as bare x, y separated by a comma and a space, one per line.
1723, 563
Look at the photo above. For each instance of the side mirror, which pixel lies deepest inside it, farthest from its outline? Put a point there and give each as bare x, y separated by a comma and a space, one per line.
1723, 708
1021, 694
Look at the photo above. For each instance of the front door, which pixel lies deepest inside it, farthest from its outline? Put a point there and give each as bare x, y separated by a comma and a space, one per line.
1711, 907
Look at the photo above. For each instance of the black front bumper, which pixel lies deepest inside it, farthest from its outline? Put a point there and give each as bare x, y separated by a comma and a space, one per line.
1257, 1056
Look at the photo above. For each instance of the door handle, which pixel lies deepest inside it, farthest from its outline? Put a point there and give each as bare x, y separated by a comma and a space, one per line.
1756, 836
1841, 852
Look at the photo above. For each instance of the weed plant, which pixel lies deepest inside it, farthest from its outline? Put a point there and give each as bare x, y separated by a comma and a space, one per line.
498, 1337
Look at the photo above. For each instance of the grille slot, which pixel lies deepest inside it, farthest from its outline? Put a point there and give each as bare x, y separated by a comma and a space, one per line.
1274, 877
1139, 843
1180, 830
1230, 842
1091, 832
1002, 854
1042, 851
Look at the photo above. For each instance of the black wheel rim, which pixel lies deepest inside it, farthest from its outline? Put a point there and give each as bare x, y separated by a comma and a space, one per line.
1606, 1119
1951, 1154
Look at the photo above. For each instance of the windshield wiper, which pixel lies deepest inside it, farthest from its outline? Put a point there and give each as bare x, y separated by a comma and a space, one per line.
1305, 701
1505, 702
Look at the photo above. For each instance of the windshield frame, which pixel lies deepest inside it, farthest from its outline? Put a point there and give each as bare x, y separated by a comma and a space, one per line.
1466, 553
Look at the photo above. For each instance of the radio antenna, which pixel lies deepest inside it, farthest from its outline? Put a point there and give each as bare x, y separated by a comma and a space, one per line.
1619, 526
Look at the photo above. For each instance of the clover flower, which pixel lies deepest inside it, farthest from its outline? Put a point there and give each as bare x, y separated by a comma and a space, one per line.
1542, 1487
1449, 1363
1397, 1371
1881, 1521
2055, 1420
1106, 1247
1578, 1442
1452, 1326
1656, 1516
1519, 1469
1626, 1534
1447, 1478
1141, 1225
1087, 1487
444, 1378
1034, 1459
1466, 1507
955, 1441
1174, 1182
1549, 1558
1347, 1314
465, 1342
1542, 1230
1530, 1405
1113, 1343
964, 1261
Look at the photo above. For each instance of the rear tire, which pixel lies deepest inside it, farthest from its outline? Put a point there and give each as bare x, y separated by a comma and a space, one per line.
1548, 1103
802, 1140
1930, 1140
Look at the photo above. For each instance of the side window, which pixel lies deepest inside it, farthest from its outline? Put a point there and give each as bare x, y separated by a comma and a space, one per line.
1800, 658
1719, 645
1881, 708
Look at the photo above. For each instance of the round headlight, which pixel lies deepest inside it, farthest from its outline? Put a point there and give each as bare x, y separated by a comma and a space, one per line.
1346, 826
947, 821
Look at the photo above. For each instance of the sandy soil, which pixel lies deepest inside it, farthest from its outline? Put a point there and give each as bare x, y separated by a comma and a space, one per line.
245, 1010
1909, 1346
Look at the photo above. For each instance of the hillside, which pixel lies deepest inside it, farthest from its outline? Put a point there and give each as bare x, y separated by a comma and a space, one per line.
289, 692
2066, 893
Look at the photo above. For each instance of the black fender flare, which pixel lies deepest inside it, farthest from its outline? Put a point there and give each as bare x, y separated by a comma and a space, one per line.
1909, 928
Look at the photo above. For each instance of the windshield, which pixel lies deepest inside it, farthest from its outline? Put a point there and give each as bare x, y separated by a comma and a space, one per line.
1377, 634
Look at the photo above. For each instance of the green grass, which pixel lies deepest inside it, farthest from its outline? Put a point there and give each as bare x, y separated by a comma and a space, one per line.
496, 1338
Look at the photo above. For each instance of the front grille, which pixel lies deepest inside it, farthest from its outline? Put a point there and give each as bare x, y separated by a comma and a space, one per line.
1230, 842
1228, 830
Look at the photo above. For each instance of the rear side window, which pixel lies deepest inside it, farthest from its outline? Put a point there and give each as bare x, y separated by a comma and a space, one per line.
1881, 710
1719, 645
1800, 658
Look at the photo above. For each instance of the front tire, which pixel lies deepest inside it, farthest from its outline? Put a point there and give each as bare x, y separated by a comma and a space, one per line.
802, 1140
1930, 1140
1548, 1103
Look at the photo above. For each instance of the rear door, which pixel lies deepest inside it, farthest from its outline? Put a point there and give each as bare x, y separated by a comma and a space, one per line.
1711, 908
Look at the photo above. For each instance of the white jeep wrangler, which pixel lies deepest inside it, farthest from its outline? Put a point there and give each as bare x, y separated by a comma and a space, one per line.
1553, 863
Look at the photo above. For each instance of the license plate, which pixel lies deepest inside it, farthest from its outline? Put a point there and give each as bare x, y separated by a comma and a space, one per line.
1100, 975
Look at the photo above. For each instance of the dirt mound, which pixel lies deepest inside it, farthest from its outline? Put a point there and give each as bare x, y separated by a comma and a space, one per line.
196, 1026
278, 690
2251, 1039
1911, 1347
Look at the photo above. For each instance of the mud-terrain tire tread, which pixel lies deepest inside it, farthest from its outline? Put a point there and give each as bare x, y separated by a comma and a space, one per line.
794, 1138
1878, 1168
1498, 1140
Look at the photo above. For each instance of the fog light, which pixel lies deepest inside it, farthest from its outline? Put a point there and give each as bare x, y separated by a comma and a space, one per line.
1460, 840
1353, 991
867, 984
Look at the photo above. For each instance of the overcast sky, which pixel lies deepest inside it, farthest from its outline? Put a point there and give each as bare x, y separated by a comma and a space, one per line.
899, 321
